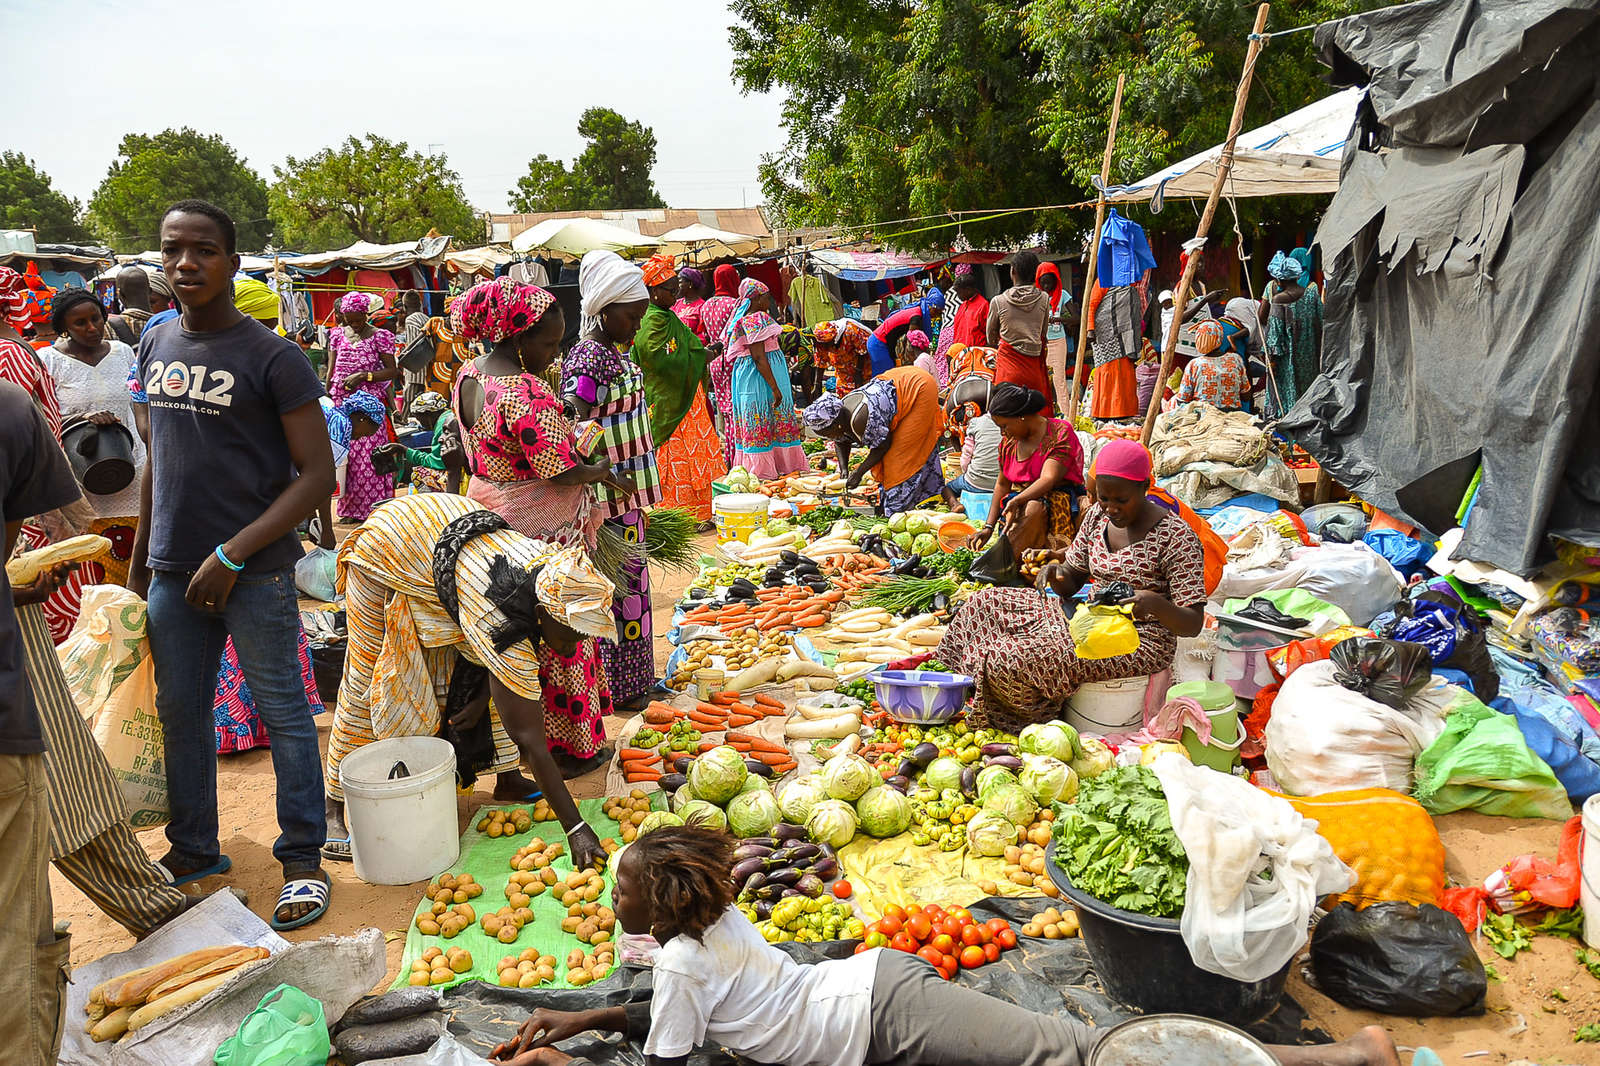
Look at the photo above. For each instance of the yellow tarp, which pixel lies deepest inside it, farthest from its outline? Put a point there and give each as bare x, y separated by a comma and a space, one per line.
896, 871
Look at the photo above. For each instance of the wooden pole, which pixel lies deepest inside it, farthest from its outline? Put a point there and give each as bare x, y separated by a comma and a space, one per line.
1087, 287
1180, 295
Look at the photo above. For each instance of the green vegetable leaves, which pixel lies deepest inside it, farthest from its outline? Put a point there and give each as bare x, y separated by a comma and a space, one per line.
1506, 935
1116, 843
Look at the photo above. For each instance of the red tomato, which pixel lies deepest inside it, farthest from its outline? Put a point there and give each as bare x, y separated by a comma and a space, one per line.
991, 952
960, 914
863, 946
950, 963
895, 911
972, 957
943, 943
934, 912
997, 924
903, 942
889, 925
841, 889
919, 927
985, 934
1006, 938
876, 939
950, 927
970, 935
933, 955
946, 973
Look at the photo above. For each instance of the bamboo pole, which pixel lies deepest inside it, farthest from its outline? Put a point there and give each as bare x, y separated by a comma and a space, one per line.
1180, 295
1087, 287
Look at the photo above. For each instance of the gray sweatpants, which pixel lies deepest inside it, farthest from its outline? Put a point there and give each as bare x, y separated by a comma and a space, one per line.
920, 1019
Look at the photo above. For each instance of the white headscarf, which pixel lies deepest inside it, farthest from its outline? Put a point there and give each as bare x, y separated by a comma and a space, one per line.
1244, 310
605, 278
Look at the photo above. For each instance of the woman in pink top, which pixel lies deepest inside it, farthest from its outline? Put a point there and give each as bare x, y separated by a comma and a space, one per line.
1041, 463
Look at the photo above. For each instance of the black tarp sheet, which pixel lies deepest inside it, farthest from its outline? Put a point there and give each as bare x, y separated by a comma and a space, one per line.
1462, 252
1049, 976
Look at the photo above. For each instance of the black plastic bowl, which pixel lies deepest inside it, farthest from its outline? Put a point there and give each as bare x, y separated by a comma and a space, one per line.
1144, 963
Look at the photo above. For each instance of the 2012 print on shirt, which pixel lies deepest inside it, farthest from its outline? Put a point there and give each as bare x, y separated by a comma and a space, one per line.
198, 384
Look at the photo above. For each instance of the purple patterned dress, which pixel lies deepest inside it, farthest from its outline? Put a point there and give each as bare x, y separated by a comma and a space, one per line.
364, 487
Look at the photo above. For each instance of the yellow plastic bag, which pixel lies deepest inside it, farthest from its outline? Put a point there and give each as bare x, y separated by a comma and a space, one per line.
1386, 838
1103, 632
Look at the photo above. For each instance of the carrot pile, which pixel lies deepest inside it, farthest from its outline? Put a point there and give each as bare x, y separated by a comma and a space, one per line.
849, 574
724, 712
773, 754
795, 607
640, 765
735, 615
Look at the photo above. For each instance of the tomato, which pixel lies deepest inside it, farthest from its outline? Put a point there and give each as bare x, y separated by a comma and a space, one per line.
889, 925
895, 911
944, 944
876, 939
934, 912
960, 914
950, 963
1006, 938
919, 927
863, 946
933, 955
970, 935
991, 952
948, 973
841, 889
950, 927
972, 957
997, 924
985, 934
903, 942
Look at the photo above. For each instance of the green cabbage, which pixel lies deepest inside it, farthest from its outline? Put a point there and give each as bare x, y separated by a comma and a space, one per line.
883, 811
990, 834
847, 777
897, 522
991, 777
755, 783
1095, 759
1055, 739
796, 798
916, 525
832, 822
943, 772
1048, 780
1013, 801
718, 775
703, 814
924, 543
753, 814
680, 798
657, 819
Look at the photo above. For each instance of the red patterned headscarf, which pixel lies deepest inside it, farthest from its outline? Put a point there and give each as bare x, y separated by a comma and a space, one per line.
658, 269
726, 280
14, 303
491, 311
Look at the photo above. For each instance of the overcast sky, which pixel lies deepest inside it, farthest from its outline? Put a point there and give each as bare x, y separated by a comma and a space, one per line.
491, 83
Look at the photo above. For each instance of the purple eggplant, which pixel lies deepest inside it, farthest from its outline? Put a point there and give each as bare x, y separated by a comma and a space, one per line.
999, 749
771, 891
790, 893
829, 852
825, 868
811, 885
899, 782
969, 780
680, 765
798, 853
745, 867
752, 850
907, 768
1010, 762
759, 768
754, 881
784, 831
670, 783
786, 876
763, 909
924, 753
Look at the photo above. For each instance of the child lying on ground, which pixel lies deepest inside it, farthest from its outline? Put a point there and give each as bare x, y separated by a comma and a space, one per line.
717, 981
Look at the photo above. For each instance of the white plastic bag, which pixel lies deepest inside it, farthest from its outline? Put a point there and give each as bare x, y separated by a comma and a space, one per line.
1256, 870
1322, 737
1352, 577
315, 574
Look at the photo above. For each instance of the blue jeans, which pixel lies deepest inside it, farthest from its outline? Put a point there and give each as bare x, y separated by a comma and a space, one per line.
263, 618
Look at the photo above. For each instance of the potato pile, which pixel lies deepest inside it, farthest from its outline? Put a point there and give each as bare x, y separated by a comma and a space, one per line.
1025, 867
454, 888
1052, 925
527, 969
505, 924
537, 856
1039, 832
582, 968
628, 811
438, 967
580, 886
523, 885
742, 650
590, 922
505, 823
446, 920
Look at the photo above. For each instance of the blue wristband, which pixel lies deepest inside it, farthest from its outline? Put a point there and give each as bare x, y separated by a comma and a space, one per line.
225, 561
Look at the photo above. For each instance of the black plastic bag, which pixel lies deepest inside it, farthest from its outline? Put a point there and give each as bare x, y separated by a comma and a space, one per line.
1389, 671
1398, 958
998, 564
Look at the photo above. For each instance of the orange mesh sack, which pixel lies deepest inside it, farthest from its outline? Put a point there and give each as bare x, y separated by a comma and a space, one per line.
1386, 839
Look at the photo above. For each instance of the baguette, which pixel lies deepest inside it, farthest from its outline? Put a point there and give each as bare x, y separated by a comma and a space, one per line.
135, 989
97, 994
182, 997
27, 566
216, 966
111, 1026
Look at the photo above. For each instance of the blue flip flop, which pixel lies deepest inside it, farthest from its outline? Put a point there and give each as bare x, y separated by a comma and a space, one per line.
314, 890
221, 866
338, 856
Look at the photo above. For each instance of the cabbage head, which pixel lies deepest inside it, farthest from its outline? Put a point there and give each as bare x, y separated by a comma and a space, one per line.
943, 772
797, 797
883, 811
718, 775
832, 822
1095, 760
1055, 739
703, 815
1013, 801
755, 783
656, 819
990, 834
1048, 780
1148, 753
680, 798
753, 814
847, 777
992, 777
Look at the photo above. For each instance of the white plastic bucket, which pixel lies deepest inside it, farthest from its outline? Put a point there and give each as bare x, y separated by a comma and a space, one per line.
738, 515
1104, 707
402, 828
1589, 890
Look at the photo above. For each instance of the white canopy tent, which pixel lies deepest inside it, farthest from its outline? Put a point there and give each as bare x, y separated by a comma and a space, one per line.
1297, 154
364, 255
573, 237
702, 240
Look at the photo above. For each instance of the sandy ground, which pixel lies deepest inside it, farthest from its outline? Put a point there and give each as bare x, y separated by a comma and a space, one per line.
1524, 1023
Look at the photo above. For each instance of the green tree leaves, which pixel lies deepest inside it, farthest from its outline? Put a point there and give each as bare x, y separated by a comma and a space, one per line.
612, 172
28, 201
151, 172
371, 189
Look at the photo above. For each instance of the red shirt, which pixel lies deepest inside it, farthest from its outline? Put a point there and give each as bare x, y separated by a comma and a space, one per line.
972, 319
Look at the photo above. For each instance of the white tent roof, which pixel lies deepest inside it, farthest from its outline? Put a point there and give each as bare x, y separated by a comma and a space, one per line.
572, 237
477, 260
250, 264
364, 255
700, 239
1299, 153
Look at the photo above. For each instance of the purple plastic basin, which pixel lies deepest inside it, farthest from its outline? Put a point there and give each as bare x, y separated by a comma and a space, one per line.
921, 697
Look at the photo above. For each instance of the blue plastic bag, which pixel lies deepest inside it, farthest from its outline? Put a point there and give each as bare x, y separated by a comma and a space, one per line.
1578, 774
1404, 554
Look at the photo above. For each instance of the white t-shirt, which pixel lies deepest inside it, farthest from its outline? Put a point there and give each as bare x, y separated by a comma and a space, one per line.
85, 390
737, 991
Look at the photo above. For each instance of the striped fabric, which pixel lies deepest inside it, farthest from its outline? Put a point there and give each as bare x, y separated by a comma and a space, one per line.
614, 387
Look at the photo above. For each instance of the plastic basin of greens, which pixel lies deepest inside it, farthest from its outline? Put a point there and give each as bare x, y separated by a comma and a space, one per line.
921, 697
1144, 963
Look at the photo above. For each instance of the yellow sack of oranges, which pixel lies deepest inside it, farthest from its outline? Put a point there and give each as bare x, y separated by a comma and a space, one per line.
1387, 840
1103, 631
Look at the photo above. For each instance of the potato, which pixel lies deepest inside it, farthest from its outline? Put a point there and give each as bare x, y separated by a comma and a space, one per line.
441, 975
1021, 878
1013, 854
1052, 932
418, 978
432, 953
579, 978
545, 973
574, 958
528, 980
523, 916
1047, 886
570, 924
600, 937
427, 927
461, 963
508, 933
509, 978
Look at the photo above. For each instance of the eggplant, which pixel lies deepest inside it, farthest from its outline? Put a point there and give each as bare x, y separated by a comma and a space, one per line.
1010, 762
824, 868
753, 882
771, 891
999, 749
818, 586
908, 768
786, 832
698, 594
759, 768
969, 780
924, 753
763, 909
745, 867
750, 849
791, 893
788, 557
811, 885
680, 765
899, 782
828, 852
670, 783
786, 876
798, 852
940, 602
906, 564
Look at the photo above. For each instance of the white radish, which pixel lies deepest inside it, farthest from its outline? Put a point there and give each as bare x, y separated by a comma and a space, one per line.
835, 728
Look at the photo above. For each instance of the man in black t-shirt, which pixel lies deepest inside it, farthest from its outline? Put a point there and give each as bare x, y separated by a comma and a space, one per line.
239, 454
34, 478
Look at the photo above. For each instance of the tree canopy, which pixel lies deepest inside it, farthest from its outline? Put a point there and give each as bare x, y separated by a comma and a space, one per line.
150, 173
899, 109
371, 189
612, 172
28, 201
